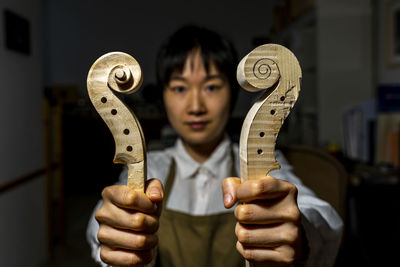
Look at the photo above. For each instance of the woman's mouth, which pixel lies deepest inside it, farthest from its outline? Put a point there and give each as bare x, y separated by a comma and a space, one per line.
197, 125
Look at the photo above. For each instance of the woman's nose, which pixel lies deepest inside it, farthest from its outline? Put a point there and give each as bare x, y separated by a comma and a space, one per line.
196, 103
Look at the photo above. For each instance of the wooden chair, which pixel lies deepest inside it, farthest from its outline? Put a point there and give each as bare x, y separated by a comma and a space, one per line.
321, 172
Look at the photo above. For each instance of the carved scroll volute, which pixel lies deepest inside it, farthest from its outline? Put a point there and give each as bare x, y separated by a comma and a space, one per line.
275, 69
120, 72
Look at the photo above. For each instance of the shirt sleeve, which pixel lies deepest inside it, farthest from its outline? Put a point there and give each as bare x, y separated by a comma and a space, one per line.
322, 224
91, 236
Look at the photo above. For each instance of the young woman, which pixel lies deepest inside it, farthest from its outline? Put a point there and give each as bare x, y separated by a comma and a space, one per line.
183, 218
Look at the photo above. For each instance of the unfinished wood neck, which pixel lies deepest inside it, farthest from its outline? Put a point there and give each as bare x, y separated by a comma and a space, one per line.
275, 69
120, 72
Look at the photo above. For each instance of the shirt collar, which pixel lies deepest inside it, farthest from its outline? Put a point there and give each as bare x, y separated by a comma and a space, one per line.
187, 167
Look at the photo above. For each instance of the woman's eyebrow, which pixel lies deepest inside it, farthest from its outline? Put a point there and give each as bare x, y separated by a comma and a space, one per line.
177, 77
214, 76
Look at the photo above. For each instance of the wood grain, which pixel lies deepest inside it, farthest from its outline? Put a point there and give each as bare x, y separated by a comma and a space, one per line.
275, 69
120, 72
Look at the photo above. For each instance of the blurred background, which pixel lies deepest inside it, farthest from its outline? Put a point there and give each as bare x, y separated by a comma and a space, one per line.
56, 152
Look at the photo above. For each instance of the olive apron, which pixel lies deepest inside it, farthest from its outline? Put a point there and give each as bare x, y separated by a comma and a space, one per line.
196, 241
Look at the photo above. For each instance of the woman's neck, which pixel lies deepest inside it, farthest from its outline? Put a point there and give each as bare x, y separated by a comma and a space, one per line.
201, 152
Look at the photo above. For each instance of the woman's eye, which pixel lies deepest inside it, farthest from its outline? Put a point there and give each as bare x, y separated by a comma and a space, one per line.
212, 88
178, 89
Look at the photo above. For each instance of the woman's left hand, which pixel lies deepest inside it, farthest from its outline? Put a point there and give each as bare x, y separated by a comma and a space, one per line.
269, 221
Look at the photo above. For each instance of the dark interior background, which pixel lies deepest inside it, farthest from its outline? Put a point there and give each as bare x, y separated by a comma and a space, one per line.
57, 153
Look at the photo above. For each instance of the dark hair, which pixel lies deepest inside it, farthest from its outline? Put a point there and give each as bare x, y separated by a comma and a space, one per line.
213, 47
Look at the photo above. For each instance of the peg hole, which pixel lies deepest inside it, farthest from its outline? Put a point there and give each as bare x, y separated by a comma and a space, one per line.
126, 131
259, 151
272, 111
262, 134
129, 148
114, 111
103, 99
282, 98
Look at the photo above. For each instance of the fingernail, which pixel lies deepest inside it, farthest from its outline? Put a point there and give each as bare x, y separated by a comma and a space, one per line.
155, 192
228, 198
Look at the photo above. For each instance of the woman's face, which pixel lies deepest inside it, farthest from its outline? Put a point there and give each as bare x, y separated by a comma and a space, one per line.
197, 102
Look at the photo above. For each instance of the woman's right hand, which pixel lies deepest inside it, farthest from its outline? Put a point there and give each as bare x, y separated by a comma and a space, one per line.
128, 223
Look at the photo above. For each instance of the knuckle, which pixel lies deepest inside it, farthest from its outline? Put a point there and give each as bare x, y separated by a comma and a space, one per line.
237, 227
141, 241
244, 213
288, 258
257, 187
132, 260
104, 255
290, 213
140, 258
101, 235
243, 236
105, 192
297, 215
293, 213
129, 197
152, 225
292, 189
291, 235
137, 221
261, 186
156, 225
145, 242
101, 215
146, 257
248, 254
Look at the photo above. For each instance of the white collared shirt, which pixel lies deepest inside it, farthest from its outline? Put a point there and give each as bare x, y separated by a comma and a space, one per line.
197, 187
197, 191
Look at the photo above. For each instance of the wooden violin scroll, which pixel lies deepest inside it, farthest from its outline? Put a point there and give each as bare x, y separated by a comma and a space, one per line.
120, 72
275, 69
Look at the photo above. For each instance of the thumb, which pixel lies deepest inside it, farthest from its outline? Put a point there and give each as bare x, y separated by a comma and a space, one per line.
154, 190
229, 188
